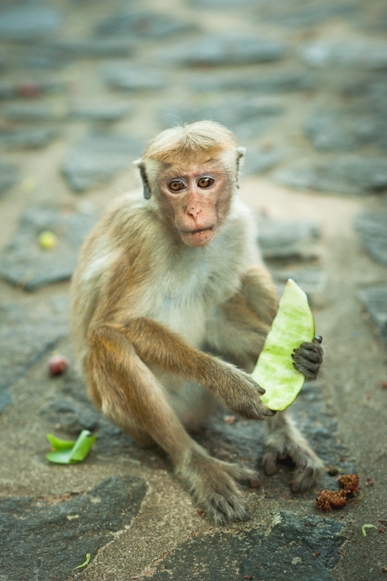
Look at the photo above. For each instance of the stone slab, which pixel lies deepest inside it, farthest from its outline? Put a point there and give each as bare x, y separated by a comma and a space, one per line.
373, 230
27, 332
285, 550
309, 14
9, 175
357, 54
26, 264
104, 112
36, 112
347, 175
133, 78
375, 301
285, 240
29, 22
27, 137
247, 117
98, 158
30, 89
258, 161
46, 538
93, 47
281, 82
223, 50
142, 24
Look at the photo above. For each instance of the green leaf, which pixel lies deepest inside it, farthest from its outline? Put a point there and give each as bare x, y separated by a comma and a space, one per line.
85, 563
70, 451
364, 527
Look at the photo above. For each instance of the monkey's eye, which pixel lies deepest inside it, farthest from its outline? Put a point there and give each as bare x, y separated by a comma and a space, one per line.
205, 182
176, 185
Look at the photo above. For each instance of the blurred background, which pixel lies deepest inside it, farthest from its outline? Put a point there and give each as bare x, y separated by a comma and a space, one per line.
84, 84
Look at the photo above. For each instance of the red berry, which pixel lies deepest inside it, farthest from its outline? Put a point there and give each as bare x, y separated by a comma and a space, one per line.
56, 365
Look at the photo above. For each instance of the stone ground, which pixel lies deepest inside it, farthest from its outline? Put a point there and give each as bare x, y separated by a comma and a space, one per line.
83, 86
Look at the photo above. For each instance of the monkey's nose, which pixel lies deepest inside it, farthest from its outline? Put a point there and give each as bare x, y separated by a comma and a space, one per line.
194, 212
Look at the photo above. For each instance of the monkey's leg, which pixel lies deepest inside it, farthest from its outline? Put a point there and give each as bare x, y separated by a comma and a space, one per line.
283, 439
130, 394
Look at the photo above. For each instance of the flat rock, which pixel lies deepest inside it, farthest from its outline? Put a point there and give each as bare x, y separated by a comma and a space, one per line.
104, 112
284, 240
9, 175
142, 24
373, 230
247, 117
375, 301
26, 137
29, 22
350, 175
133, 78
93, 47
313, 282
217, 50
26, 264
47, 538
357, 54
284, 550
339, 131
282, 82
298, 14
30, 89
36, 112
260, 160
27, 332
97, 159
222, 4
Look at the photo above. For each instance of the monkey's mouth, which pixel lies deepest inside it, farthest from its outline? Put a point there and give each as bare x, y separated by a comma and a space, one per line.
198, 237
199, 230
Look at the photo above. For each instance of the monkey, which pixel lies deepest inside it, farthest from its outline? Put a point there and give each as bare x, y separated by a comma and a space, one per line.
170, 307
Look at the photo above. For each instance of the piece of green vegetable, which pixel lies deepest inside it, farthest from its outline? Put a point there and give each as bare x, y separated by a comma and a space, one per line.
70, 451
274, 371
85, 563
364, 527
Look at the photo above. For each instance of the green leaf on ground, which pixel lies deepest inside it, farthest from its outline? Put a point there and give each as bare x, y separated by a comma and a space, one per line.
70, 451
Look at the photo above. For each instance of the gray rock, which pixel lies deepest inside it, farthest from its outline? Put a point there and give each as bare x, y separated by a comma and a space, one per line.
216, 50
261, 160
142, 24
97, 159
284, 240
375, 301
223, 4
70, 416
42, 56
313, 282
36, 112
247, 117
30, 89
133, 78
282, 82
26, 264
26, 137
303, 14
28, 23
9, 175
47, 538
94, 47
104, 112
27, 332
345, 131
368, 55
373, 229
352, 175
283, 550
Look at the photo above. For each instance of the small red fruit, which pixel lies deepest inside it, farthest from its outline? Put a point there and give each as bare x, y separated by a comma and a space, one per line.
56, 365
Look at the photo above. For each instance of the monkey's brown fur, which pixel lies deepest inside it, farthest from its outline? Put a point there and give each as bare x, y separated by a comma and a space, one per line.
162, 282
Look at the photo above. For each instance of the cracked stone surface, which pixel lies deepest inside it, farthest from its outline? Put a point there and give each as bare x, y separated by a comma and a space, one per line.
49, 537
373, 230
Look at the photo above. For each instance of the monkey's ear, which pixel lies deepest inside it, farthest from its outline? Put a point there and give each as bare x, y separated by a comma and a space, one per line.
145, 182
240, 153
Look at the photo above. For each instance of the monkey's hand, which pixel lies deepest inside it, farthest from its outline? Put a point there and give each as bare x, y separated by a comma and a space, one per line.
240, 393
308, 358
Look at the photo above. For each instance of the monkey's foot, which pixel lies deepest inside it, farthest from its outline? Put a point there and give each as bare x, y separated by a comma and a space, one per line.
212, 484
308, 466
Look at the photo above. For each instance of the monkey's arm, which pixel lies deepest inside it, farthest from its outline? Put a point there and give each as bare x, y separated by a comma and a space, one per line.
157, 345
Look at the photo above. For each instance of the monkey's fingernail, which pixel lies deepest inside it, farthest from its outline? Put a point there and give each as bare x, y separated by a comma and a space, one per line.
317, 339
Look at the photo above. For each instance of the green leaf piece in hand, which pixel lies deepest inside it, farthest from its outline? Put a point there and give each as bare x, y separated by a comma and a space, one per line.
70, 451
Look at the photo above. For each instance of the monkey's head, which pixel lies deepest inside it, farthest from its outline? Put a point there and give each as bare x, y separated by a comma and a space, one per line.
191, 174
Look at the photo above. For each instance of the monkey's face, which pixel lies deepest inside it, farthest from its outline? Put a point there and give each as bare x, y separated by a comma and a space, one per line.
197, 199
